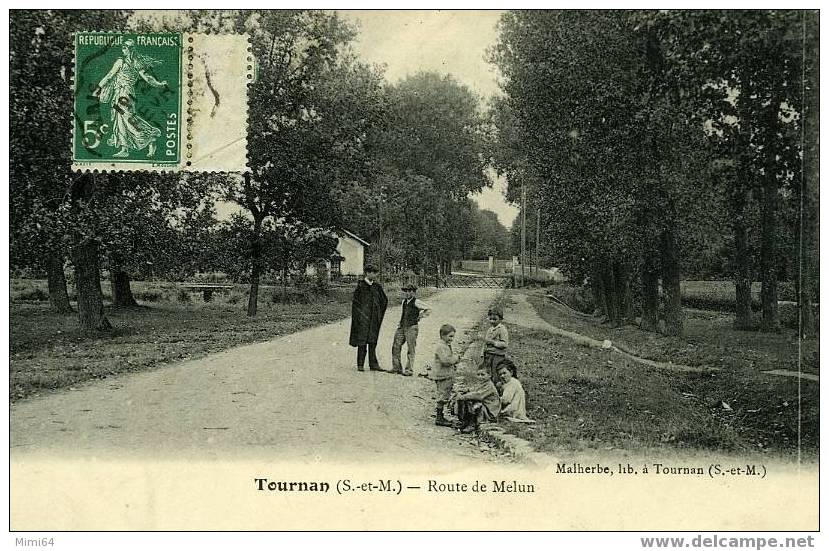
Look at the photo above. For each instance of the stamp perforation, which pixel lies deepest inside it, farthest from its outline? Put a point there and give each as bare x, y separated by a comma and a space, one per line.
144, 133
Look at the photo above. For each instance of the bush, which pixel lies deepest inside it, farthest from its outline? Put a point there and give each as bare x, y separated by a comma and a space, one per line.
148, 295
321, 285
577, 298
235, 297
36, 294
790, 316
291, 296
183, 295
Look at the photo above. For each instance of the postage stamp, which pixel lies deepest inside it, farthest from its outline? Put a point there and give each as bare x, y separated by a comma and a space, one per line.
160, 102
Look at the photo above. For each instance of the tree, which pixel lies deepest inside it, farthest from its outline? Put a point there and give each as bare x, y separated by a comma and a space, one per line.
123, 216
44, 192
565, 125
432, 151
592, 128
300, 134
746, 67
489, 236
808, 189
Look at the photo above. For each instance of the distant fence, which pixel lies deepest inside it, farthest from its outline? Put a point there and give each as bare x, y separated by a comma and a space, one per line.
453, 280
506, 267
499, 267
552, 275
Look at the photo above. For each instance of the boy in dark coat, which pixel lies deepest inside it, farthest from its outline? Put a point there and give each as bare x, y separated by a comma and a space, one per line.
368, 306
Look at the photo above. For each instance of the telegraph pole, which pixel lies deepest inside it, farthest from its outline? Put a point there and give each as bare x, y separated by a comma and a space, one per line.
523, 230
537, 239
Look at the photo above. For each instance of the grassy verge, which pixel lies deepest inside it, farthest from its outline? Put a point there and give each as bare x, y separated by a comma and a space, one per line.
709, 339
50, 351
587, 399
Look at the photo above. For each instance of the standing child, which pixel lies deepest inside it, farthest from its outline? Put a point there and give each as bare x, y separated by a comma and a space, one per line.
479, 405
413, 310
443, 372
495, 343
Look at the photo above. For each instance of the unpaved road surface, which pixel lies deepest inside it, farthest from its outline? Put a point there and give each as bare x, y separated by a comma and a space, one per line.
297, 397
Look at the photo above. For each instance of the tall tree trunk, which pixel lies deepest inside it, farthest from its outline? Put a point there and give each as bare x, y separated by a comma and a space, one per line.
610, 294
88, 282
650, 288
595, 282
742, 258
627, 300
743, 182
621, 292
671, 277
284, 281
255, 267
120, 284
810, 189
768, 254
58, 297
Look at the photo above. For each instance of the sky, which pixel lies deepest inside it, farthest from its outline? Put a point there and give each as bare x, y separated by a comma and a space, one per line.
444, 41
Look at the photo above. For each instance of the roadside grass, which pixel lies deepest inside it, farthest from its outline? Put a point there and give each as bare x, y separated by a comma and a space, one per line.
588, 399
49, 351
709, 339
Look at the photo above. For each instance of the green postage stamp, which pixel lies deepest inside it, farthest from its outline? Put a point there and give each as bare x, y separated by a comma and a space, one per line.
160, 102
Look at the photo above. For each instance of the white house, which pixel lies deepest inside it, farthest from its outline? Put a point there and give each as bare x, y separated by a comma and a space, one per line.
349, 258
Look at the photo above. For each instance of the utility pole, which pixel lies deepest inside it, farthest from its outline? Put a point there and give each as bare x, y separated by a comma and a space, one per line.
523, 230
537, 239
381, 205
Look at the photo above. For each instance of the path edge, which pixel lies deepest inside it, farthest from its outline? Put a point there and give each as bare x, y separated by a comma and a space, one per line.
494, 433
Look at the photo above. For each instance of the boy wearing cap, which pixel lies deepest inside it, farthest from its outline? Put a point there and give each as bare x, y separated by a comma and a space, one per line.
413, 309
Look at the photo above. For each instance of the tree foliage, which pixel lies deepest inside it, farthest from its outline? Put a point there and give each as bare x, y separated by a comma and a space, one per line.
639, 134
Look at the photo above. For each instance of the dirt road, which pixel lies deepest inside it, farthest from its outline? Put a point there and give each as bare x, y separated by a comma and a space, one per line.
297, 397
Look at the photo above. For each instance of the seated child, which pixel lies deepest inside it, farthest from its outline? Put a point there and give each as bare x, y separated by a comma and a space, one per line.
479, 405
513, 397
443, 372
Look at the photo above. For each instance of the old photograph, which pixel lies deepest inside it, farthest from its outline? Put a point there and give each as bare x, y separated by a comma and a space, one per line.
414, 270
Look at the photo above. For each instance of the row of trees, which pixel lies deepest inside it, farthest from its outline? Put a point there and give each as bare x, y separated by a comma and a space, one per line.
654, 142
330, 145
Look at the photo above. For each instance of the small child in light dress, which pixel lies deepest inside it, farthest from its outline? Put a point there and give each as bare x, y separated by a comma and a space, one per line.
513, 397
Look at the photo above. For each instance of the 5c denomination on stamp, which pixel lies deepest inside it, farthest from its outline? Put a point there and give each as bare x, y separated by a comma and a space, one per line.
160, 102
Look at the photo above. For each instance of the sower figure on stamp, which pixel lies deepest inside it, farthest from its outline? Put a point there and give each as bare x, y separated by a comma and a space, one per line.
129, 131
368, 306
413, 310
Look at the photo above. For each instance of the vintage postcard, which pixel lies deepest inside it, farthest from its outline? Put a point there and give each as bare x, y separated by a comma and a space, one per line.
425, 270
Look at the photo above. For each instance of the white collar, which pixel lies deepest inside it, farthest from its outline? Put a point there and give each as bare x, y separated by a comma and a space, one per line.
367, 281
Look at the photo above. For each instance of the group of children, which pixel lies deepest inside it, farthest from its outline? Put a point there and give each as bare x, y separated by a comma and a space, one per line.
496, 392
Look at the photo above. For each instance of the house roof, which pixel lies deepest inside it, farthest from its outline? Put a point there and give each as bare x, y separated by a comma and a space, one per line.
355, 236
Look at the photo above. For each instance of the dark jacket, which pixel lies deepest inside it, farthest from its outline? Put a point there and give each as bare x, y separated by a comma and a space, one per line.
368, 306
